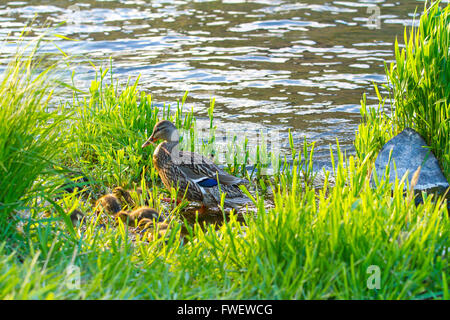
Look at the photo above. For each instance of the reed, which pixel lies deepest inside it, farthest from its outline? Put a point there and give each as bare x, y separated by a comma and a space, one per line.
419, 90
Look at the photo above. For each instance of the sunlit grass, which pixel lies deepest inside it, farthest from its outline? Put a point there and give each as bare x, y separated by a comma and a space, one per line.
418, 82
30, 129
308, 246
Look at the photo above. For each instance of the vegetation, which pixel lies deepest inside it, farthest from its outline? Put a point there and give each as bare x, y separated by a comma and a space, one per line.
419, 88
29, 132
297, 241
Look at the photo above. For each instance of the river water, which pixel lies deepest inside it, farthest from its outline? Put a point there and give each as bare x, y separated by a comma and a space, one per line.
275, 65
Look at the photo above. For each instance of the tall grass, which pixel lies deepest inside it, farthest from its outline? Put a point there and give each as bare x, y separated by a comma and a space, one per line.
308, 246
30, 129
419, 86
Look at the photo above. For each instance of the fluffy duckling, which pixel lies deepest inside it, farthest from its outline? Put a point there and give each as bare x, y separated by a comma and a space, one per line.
109, 203
76, 217
124, 196
145, 212
138, 215
156, 231
126, 218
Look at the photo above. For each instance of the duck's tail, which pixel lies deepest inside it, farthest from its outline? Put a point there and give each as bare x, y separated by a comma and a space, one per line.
237, 202
244, 181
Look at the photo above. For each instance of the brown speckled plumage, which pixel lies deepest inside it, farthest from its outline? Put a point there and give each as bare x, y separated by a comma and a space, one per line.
184, 170
145, 212
159, 230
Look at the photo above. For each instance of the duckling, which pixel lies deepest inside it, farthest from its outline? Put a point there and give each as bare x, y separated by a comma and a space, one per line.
76, 180
124, 196
126, 218
161, 229
145, 223
144, 214
76, 217
109, 203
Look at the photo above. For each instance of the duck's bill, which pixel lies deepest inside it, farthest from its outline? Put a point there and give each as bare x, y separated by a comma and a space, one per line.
148, 142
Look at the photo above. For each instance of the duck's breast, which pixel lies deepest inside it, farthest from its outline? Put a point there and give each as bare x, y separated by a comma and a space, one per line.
161, 158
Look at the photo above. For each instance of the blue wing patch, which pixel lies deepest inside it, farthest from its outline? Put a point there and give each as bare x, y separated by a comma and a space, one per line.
207, 183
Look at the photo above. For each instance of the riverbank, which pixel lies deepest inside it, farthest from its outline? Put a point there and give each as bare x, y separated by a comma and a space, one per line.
344, 240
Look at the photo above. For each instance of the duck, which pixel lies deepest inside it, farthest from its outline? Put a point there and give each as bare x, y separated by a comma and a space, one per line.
145, 212
154, 231
109, 203
123, 196
76, 217
138, 215
198, 177
125, 217
145, 223
126, 198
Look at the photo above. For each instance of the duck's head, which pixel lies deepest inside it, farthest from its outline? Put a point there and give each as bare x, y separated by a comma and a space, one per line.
163, 130
125, 217
76, 216
122, 194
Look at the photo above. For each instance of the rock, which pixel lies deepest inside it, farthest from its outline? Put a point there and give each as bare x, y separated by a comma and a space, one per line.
409, 152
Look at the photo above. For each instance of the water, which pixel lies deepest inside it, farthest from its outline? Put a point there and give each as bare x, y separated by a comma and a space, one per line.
276, 65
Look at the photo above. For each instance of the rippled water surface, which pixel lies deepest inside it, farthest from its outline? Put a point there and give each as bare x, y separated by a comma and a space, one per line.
270, 64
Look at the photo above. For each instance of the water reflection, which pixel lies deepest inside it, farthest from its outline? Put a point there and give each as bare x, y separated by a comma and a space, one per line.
272, 64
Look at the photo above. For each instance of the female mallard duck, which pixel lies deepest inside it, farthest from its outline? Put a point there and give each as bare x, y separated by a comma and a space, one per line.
195, 175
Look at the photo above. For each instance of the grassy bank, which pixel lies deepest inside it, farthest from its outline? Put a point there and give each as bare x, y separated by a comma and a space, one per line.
309, 243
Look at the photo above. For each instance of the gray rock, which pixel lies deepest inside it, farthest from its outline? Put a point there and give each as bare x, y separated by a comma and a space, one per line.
409, 150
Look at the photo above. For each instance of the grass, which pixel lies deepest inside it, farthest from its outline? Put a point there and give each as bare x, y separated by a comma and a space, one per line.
310, 243
419, 90
29, 134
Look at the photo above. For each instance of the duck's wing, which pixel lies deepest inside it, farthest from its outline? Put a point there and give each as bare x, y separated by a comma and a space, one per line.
203, 171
